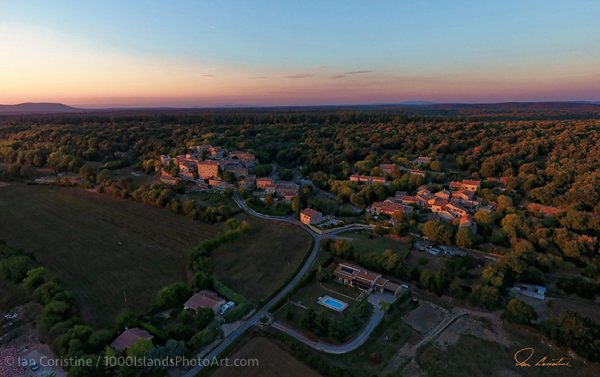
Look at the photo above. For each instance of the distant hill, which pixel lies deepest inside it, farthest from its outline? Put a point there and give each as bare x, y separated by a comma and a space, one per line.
37, 108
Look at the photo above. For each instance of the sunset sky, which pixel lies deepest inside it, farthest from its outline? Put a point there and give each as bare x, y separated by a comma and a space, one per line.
227, 53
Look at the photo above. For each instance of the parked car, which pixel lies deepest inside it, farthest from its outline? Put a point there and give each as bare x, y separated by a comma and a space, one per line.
228, 305
432, 250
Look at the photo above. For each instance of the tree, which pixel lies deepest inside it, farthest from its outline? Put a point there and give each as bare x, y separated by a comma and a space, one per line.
35, 277
15, 267
435, 166
172, 295
518, 311
485, 296
324, 274
465, 238
438, 232
139, 348
201, 280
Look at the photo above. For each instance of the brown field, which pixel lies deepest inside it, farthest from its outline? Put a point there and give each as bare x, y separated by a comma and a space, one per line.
99, 246
273, 362
260, 262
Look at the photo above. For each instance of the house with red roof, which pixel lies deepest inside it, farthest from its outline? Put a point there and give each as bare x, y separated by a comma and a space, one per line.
310, 216
364, 279
130, 337
204, 299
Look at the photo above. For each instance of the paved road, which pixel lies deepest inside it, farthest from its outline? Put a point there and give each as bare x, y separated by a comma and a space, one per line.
339, 349
255, 318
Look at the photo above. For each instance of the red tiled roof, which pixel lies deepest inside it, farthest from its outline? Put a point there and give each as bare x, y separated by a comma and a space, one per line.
310, 212
203, 299
130, 337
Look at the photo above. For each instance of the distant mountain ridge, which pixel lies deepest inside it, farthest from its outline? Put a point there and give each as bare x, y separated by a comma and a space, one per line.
37, 108
410, 107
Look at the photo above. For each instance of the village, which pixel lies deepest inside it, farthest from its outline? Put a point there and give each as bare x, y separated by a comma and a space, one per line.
341, 286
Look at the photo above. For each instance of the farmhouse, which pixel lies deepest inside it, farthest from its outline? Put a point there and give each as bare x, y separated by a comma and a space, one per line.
286, 190
456, 209
246, 158
463, 195
263, 182
208, 169
130, 337
364, 279
444, 194
388, 168
368, 179
236, 168
403, 198
465, 184
389, 207
310, 216
204, 300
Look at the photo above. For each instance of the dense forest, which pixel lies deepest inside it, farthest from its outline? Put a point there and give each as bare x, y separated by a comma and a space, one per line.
552, 162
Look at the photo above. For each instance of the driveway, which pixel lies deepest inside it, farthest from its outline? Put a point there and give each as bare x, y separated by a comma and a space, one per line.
353, 344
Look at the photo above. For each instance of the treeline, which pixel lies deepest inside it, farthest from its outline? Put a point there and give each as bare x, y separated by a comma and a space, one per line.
552, 162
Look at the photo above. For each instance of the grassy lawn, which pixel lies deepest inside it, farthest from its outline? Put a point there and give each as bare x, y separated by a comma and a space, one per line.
99, 246
277, 210
307, 296
261, 261
214, 200
365, 242
398, 333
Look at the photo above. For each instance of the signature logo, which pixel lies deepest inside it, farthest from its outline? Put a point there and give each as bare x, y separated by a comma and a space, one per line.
525, 358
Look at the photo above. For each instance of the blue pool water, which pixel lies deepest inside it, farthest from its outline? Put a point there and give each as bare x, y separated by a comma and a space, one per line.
334, 303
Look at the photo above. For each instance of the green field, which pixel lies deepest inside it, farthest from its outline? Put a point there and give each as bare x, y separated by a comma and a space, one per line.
398, 333
363, 242
100, 246
260, 262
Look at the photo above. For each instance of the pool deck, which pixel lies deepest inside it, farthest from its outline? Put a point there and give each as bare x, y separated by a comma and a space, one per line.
326, 301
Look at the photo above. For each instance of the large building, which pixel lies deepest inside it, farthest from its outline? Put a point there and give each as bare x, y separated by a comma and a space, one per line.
238, 169
208, 169
246, 158
364, 279
310, 216
389, 207
287, 190
130, 337
263, 182
204, 300
465, 184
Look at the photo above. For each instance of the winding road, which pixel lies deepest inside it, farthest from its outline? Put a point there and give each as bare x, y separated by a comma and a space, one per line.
255, 318
337, 349
264, 310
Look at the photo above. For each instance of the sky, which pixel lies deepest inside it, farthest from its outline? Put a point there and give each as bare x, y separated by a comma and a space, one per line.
260, 53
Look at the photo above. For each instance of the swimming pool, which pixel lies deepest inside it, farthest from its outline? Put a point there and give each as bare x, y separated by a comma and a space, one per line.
332, 303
